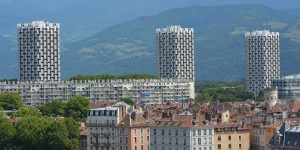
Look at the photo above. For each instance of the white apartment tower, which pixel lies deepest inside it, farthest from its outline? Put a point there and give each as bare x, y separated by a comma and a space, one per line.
39, 51
175, 52
263, 62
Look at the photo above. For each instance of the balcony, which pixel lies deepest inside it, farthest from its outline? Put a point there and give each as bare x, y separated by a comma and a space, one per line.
88, 124
95, 134
106, 135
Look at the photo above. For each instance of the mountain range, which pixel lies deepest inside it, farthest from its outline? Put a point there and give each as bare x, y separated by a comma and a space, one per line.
130, 47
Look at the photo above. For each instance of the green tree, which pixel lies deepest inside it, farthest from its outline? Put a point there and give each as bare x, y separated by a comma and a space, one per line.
53, 108
73, 133
31, 132
56, 136
128, 101
7, 133
77, 107
10, 101
27, 112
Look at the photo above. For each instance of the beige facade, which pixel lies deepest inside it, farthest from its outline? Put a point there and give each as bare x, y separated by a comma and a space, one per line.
230, 136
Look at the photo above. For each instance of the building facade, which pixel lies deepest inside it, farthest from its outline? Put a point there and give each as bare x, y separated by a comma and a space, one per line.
39, 51
151, 91
288, 87
175, 53
181, 132
263, 60
133, 132
102, 127
229, 136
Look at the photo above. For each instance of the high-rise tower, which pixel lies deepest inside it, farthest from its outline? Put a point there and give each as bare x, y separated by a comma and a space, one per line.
39, 51
175, 52
263, 62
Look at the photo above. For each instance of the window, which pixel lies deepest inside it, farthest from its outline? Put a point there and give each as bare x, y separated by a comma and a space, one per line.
126, 139
169, 132
120, 131
135, 140
229, 146
240, 145
184, 141
134, 131
120, 140
135, 147
154, 131
184, 132
219, 137
204, 132
141, 130
240, 137
194, 132
210, 140
219, 146
142, 139
176, 132
199, 132
162, 132
210, 131
126, 131
154, 140
120, 148
199, 141
176, 142
229, 137
142, 147
148, 138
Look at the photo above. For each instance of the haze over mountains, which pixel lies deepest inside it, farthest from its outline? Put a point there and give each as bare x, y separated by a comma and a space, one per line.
129, 47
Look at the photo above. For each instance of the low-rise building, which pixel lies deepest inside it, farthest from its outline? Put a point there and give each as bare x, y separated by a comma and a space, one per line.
134, 132
102, 127
181, 132
231, 136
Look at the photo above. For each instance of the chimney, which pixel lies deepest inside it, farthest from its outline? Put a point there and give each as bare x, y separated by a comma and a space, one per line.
173, 116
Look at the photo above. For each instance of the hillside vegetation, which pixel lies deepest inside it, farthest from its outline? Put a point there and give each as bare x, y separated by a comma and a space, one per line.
130, 47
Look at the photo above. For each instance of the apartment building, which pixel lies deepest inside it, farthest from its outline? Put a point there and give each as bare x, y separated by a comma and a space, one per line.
181, 132
151, 91
102, 127
134, 132
231, 136
263, 60
175, 53
39, 51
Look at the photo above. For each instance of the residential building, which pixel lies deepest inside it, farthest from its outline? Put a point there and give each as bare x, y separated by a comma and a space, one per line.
102, 127
285, 138
175, 53
231, 136
181, 132
134, 132
151, 91
288, 87
39, 51
262, 60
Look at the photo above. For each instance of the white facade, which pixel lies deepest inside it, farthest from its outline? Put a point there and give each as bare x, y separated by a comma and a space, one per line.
102, 128
39, 51
263, 60
175, 53
181, 138
153, 91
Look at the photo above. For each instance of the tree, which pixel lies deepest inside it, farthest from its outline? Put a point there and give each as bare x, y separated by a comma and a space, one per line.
73, 133
27, 112
56, 136
31, 132
53, 108
10, 101
7, 133
77, 107
128, 101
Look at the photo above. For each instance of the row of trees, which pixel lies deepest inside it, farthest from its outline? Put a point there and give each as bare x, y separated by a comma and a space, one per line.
39, 133
113, 77
208, 91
